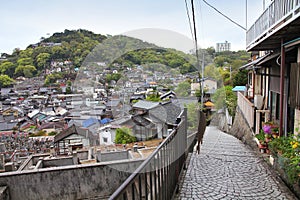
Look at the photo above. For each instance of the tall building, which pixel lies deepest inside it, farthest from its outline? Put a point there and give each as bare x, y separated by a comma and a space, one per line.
223, 46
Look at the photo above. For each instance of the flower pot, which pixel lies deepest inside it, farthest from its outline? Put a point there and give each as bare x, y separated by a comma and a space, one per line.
262, 150
267, 139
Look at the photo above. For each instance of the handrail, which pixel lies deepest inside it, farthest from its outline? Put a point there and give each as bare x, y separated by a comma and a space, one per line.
158, 176
276, 13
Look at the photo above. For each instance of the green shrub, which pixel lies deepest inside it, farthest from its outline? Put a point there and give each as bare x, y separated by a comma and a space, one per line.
124, 136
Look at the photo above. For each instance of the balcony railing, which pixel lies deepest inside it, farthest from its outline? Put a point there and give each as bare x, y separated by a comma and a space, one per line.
277, 13
158, 176
247, 109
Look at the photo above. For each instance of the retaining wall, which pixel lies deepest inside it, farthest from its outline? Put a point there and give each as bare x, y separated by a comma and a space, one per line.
68, 182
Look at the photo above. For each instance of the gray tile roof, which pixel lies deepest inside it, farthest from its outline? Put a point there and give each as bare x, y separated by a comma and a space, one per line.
147, 105
167, 112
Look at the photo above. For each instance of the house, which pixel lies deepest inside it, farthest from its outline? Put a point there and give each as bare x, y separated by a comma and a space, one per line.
107, 134
143, 106
154, 119
74, 137
209, 85
52, 127
273, 81
13, 111
168, 95
7, 126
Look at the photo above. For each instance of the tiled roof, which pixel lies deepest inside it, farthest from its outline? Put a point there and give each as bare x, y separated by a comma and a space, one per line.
147, 105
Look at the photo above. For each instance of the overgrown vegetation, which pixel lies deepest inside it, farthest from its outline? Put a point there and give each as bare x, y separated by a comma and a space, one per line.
124, 136
286, 150
225, 97
192, 116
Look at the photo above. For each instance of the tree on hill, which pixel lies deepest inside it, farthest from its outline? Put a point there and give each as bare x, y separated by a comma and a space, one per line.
183, 89
5, 81
7, 68
27, 71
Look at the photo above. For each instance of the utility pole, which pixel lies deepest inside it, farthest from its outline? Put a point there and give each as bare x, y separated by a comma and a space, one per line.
197, 52
202, 82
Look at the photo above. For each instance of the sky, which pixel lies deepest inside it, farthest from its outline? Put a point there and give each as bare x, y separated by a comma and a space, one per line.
25, 22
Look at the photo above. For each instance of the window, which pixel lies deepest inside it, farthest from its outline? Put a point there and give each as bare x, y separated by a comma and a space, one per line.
275, 105
250, 78
105, 139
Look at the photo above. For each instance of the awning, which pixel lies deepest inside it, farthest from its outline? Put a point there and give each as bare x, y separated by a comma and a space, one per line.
254, 63
239, 89
209, 104
273, 56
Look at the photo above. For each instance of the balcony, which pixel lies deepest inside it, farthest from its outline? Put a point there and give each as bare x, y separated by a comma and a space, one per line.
280, 20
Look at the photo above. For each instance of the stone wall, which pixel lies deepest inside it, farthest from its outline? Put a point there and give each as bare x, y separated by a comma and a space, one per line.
239, 129
68, 182
242, 131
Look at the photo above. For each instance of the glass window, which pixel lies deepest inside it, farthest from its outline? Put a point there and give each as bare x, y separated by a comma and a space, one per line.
105, 139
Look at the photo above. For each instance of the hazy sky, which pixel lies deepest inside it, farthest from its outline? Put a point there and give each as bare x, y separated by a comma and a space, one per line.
25, 22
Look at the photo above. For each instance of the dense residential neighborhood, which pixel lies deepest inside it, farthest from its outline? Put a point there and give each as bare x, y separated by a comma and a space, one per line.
39, 119
91, 116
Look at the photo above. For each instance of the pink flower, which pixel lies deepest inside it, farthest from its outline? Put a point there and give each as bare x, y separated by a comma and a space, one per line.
267, 129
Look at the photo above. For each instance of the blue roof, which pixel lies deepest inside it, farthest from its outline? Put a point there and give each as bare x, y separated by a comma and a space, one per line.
105, 121
89, 122
239, 88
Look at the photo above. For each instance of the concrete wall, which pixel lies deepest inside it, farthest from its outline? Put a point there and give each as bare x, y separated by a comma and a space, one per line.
112, 156
68, 182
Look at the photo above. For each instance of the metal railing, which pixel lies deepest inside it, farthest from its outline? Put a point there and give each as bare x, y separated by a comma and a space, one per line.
247, 108
278, 12
158, 176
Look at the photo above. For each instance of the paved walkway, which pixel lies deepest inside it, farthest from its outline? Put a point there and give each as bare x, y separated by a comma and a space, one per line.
227, 169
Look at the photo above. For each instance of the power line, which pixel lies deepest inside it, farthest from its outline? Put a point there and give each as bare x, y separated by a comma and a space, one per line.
197, 52
188, 14
224, 15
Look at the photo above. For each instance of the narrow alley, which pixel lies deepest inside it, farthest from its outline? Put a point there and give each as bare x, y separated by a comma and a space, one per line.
227, 169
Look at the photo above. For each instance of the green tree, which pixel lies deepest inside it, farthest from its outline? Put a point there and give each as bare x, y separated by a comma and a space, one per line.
225, 97
124, 136
153, 97
27, 71
42, 60
192, 116
5, 81
7, 68
24, 61
52, 78
240, 78
183, 89
212, 71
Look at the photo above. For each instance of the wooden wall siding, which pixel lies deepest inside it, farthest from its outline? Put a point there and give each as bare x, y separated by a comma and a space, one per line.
297, 122
297, 85
294, 85
275, 81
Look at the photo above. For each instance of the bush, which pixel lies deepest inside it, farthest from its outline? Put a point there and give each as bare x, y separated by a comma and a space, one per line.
287, 150
124, 136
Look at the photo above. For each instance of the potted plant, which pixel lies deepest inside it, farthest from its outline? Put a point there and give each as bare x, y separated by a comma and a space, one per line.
261, 138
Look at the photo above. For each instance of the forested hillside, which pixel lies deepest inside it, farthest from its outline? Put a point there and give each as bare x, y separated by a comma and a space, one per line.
60, 55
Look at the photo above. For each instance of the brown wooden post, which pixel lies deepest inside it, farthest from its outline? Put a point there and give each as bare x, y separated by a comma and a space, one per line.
282, 66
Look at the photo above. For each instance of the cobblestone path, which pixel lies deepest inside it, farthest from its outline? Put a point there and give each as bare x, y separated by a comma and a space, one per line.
227, 169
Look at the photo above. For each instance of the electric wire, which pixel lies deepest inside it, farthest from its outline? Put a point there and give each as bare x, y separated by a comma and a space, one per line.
195, 35
188, 15
224, 15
